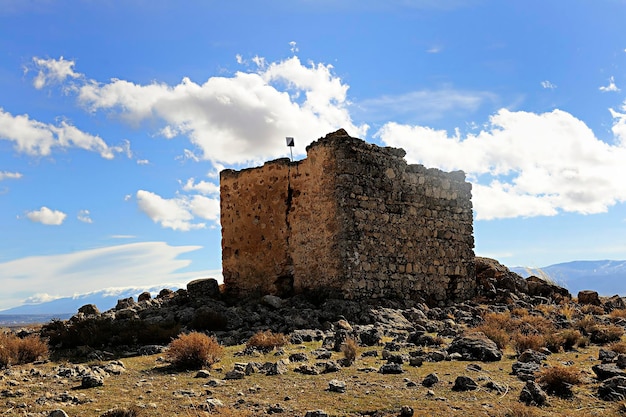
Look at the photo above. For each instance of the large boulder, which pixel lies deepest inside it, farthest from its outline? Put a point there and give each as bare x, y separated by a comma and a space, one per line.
492, 276
203, 288
539, 287
475, 347
589, 297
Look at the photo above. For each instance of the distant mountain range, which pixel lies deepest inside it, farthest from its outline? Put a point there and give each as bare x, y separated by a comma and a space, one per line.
66, 307
605, 277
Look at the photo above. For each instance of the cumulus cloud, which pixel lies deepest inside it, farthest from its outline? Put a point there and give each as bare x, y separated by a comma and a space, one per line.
84, 216
37, 139
178, 213
143, 264
5, 175
611, 87
52, 71
203, 187
237, 119
525, 164
46, 216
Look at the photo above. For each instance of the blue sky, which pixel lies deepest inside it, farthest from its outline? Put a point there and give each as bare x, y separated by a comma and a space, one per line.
116, 117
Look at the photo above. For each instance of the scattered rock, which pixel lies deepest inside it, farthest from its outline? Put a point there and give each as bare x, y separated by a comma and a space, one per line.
607, 370
336, 385
530, 355
476, 346
613, 389
464, 383
406, 411
525, 370
272, 301
391, 368
532, 394
316, 413
91, 381
298, 357
203, 373
494, 386
430, 380
88, 310
57, 413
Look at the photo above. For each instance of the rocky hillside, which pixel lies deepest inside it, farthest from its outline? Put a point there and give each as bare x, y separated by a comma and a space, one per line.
523, 347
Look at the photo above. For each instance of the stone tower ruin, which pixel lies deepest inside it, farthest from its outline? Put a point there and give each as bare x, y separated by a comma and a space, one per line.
351, 219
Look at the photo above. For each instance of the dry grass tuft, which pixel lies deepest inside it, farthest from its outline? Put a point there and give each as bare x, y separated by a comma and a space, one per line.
593, 310
559, 380
522, 342
569, 311
618, 347
349, 350
15, 350
266, 340
606, 334
618, 314
194, 351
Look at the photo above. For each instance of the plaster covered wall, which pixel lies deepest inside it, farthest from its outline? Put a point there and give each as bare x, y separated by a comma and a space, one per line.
353, 219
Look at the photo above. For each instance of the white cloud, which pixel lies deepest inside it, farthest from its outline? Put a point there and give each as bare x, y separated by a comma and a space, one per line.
293, 47
84, 216
427, 105
53, 71
203, 187
548, 85
525, 164
611, 87
239, 119
143, 162
4, 175
434, 49
144, 264
37, 139
46, 216
178, 213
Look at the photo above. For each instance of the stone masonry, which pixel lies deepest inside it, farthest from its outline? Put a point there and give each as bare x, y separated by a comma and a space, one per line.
352, 220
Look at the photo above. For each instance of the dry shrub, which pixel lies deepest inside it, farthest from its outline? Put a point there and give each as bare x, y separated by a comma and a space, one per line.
15, 350
602, 335
522, 342
497, 327
349, 350
519, 410
519, 312
554, 342
618, 347
194, 351
122, 412
535, 325
583, 342
618, 314
568, 311
546, 309
266, 340
570, 338
593, 310
558, 380
586, 324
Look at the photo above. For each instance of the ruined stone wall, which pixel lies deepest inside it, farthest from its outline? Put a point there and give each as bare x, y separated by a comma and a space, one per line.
352, 218
409, 229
